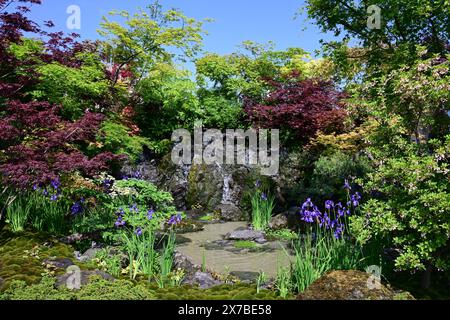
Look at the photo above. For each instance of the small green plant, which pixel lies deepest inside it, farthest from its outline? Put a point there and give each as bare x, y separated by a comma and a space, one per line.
109, 263
244, 244
283, 282
141, 251
204, 260
166, 260
260, 280
282, 234
320, 252
208, 217
262, 207
17, 212
176, 277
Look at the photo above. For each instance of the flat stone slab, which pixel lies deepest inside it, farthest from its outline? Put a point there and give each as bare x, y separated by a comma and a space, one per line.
245, 235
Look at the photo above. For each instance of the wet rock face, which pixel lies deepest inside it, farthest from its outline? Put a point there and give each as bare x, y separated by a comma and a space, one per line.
231, 212
214, 187
205, 187
349, 285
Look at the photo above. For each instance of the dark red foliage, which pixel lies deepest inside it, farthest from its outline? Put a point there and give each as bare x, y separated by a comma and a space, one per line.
16, 76
39, 146
301, 106
36, 144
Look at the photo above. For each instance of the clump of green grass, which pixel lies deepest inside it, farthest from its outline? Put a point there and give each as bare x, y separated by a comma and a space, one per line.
262, 207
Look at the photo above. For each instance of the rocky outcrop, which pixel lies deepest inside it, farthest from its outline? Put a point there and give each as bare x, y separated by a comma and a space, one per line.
350, 285
231, 212
217, 187
278, 222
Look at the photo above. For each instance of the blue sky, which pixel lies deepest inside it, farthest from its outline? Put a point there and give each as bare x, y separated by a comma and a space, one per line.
235, 20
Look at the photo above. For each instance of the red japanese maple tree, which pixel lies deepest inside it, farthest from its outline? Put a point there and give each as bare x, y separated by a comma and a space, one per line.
301, 107
36, 144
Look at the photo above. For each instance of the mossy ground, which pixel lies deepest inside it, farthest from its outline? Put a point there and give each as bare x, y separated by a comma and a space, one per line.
21, 255
100, 289
25, 277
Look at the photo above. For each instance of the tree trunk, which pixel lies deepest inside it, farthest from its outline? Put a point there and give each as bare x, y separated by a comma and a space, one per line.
426, 277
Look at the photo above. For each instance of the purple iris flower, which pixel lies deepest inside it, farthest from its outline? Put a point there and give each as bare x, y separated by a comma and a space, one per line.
329, 204
138, 231
150, 214
55, 184
338, 231
54, 197
77, 208
137, 175
355, 198
119, 222
175, 219
307, 204
264, 196
347, 185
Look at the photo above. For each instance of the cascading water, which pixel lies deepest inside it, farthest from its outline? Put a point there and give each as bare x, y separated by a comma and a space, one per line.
226, 194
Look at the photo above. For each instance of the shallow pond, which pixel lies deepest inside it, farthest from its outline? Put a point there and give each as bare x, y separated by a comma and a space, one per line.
246, 264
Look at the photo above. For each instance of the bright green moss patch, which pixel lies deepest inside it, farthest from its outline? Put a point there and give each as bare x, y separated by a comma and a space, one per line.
21, 255
97, 289
244, 244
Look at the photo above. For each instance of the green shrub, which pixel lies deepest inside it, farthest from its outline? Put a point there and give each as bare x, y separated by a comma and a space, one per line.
331, 170
412, 206
75, 89
115, 137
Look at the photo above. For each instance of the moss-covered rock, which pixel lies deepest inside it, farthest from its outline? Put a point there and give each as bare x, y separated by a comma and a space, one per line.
22, 255
205, 187
349, 285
